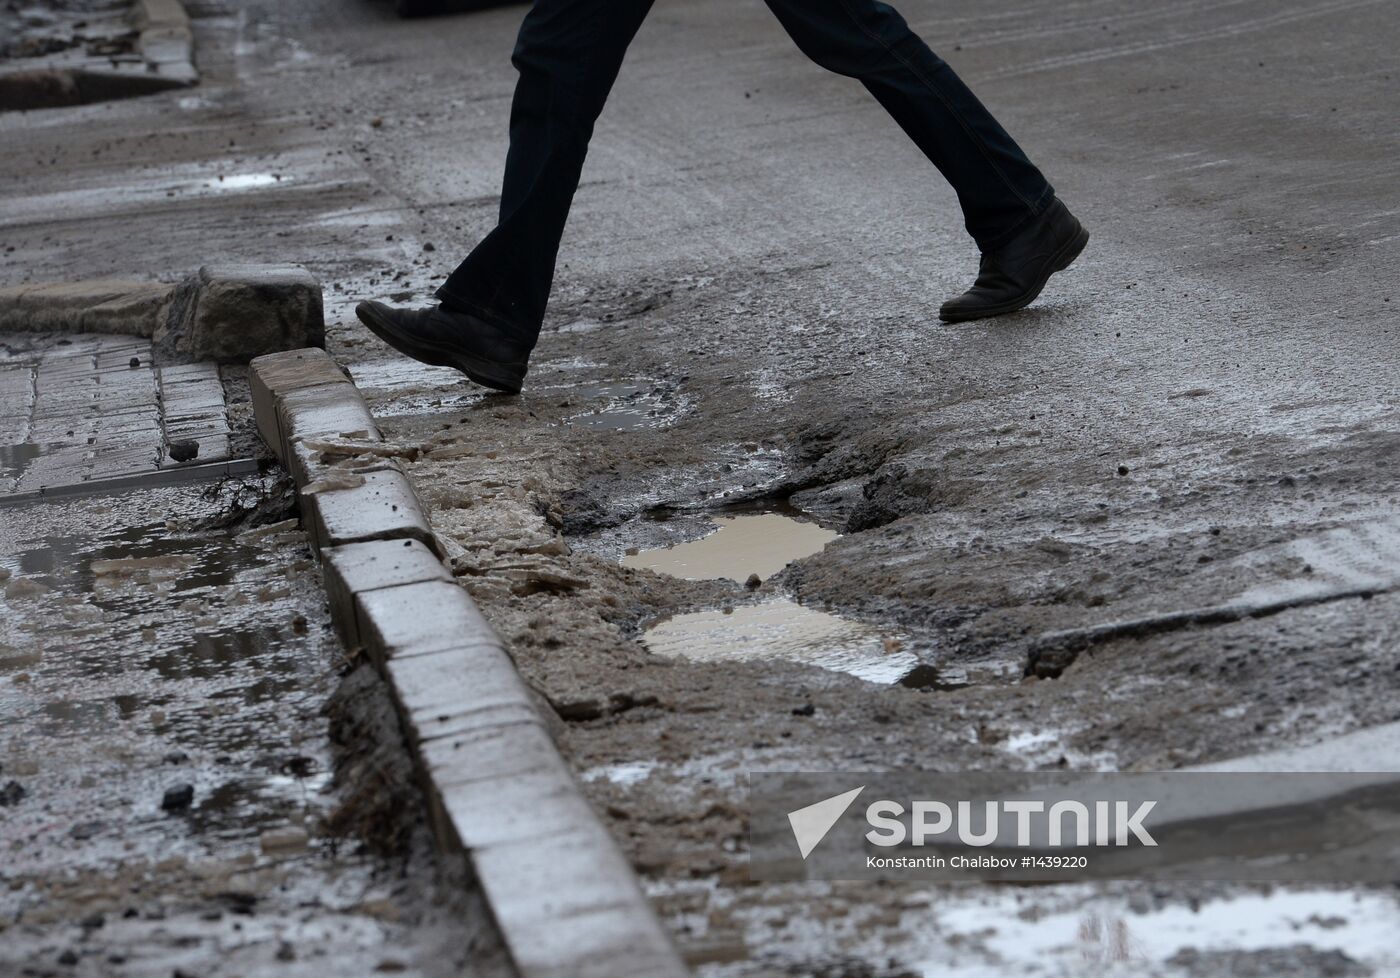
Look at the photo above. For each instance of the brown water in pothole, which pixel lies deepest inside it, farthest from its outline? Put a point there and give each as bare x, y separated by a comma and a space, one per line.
743, 545
763, 544
783, 629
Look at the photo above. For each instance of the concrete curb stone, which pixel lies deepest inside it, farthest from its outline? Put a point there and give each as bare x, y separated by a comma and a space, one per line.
419, 618
274, 374
382, 506
359, 567
484, 758
166, 40
564, 898
335, 411
575, 931
95, 306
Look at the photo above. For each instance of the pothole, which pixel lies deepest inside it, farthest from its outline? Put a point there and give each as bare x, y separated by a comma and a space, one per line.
748, 549
761, 544
784, 629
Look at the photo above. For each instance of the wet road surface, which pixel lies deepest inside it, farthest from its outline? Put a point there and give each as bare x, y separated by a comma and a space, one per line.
167, 758
1202, 413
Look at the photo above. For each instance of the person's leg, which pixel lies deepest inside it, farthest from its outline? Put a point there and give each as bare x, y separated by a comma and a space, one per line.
1025, 233
998, 187
568, 55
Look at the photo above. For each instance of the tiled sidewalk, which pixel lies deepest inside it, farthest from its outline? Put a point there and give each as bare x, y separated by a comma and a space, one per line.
77, 410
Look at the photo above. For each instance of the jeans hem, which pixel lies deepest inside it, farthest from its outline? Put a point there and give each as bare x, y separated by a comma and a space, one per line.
1040, 206
448, 297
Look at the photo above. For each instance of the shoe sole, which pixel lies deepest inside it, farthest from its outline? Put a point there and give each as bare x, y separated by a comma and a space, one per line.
1062, 259
487, 373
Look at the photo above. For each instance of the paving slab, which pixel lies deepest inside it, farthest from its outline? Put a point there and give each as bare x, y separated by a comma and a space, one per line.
358, 568
276, 374
193, 409
87, 409
378, 505
415, 619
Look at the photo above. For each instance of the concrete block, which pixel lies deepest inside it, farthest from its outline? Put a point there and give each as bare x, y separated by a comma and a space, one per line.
419, 618
234, 313
276, 374
374, 506
459, 690
480, 761
329, 411
98, 306
308, 465
360, 567
513, 808
492, 752
567, 904
290, 370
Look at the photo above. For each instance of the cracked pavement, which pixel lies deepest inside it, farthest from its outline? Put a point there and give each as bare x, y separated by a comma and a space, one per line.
1202, 413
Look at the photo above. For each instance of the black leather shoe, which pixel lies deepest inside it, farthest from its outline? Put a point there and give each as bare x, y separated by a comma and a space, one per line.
1011, 276
447, 338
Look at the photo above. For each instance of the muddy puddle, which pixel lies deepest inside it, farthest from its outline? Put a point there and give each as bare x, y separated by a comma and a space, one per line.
783, 629
14, 459
749, 548
760, 544
150, 656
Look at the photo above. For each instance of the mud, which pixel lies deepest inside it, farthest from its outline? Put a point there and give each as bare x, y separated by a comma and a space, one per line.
175, 800
745, 316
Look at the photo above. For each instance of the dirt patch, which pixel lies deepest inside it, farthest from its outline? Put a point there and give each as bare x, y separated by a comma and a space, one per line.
969, 555
378, 804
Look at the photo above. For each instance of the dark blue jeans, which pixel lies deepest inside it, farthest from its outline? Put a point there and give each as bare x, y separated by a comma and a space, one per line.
568, 55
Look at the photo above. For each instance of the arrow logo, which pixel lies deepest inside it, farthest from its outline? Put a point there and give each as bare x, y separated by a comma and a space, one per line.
811, 824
